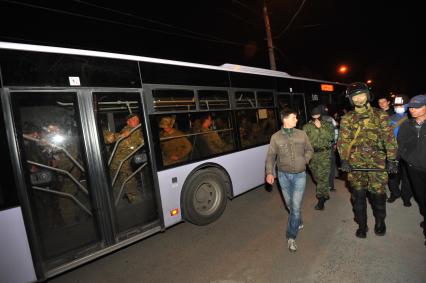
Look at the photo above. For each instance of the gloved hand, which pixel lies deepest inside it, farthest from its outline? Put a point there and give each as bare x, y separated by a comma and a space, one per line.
345, 166
392, 166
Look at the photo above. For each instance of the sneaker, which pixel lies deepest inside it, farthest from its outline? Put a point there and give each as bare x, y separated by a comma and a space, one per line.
292, 245
333, 189
301, 226
407, 203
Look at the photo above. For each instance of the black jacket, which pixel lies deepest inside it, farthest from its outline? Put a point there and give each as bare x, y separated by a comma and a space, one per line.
412, 144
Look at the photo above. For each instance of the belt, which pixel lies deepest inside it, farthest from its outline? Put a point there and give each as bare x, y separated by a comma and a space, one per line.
321, 149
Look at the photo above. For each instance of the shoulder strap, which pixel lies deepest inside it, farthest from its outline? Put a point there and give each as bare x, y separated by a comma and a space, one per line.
399, 123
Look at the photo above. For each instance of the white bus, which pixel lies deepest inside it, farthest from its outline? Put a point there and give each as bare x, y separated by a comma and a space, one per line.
80, 180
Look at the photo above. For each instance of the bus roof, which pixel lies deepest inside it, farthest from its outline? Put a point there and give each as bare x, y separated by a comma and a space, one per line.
225, 67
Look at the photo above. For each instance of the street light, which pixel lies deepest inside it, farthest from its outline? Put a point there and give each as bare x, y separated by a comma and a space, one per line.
343, 69
369, 82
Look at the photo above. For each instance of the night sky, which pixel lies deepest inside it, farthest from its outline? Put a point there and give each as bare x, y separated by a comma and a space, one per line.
376, 39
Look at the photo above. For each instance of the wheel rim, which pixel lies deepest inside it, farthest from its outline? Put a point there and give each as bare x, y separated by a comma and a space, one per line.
207, 198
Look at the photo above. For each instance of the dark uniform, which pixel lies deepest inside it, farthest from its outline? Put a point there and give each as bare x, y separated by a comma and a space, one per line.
366, 141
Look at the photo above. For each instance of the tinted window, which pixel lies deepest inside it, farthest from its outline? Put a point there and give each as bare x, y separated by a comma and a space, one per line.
173, 99
8, 195
213, 99
245, 99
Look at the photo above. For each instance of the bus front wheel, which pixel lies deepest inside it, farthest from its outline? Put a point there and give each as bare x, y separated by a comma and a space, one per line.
204, 196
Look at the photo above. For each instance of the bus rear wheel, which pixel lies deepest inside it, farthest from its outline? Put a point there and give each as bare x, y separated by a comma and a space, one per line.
204, 196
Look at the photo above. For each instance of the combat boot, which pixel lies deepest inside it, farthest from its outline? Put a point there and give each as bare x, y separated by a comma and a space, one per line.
379, 211
320, 204
360, 211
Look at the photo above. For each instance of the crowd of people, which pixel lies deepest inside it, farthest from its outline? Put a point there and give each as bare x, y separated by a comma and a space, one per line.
378, 149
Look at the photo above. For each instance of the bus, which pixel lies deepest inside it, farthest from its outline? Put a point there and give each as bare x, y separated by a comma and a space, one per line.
101, 150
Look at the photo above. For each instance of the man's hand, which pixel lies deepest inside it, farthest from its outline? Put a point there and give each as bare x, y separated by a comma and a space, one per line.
270, 179
392, 166
345, 166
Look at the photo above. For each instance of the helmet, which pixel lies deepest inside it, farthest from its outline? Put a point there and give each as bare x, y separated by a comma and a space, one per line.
357, 88
401, 99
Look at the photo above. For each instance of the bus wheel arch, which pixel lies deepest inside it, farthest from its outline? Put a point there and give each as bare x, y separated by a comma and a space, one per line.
204, 195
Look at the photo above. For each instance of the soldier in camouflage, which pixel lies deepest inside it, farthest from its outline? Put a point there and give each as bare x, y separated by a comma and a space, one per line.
129, 139
321, 135
367, 142
175, 147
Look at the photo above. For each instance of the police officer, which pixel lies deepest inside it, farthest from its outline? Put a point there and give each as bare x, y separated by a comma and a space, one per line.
321, 135
367, 142
174, 145
130, 139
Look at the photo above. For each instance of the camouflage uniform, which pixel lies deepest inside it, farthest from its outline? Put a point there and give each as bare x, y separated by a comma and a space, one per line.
177, 147
124, 148
70, 211
374, 143
320, 164
214, 142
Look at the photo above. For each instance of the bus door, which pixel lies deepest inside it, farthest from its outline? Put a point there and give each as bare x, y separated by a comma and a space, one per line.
299, 104
59, 199
124, 146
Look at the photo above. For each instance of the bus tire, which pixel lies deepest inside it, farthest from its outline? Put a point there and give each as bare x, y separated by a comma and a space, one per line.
204, 196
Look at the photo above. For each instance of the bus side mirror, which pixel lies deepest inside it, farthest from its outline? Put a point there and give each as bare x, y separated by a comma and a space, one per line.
41, 178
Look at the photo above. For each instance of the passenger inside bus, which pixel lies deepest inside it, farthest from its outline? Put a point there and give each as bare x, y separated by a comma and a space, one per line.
175, 146
211, 141
130, 139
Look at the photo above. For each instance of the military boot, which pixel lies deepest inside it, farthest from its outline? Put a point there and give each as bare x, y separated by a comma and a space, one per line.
320, 204
360, 211
379, 211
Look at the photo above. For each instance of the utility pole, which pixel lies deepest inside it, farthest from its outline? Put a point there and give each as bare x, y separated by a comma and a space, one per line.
269, 37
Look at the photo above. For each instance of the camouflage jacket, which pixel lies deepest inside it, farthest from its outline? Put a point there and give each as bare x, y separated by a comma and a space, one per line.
366, 139
174, 149
320, 138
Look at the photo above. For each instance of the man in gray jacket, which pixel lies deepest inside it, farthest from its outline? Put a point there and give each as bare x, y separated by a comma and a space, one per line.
290, 149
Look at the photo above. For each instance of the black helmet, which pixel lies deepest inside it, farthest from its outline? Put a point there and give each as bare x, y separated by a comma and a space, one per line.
357, 88
401, 99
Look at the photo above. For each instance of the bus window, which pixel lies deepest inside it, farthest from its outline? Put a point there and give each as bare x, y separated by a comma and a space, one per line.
125, 154
265, 99
60, 196
173, 99
213, 134
213, 99
8, 195
245, 99
255, 126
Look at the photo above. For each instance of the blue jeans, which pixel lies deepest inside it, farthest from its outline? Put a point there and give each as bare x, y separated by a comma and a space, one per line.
293, 187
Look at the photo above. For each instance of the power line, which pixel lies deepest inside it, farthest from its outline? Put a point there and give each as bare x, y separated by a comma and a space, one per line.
146, 19
121, 23
291, 21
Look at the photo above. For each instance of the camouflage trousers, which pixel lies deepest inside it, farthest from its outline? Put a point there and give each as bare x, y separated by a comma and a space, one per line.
320, 166
130, 188
374, 182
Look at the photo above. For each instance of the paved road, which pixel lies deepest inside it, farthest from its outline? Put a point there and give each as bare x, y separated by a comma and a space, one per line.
247, 244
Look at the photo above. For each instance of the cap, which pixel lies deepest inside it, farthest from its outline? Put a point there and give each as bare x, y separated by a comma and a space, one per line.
316, 111
417, 101
166, 122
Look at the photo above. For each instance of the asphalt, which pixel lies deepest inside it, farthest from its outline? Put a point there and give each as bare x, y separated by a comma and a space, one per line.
247, 244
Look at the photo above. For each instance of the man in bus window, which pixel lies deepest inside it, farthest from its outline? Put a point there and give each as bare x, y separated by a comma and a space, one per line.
211, 139
58, 140
175, 147
129, 140
291, 151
